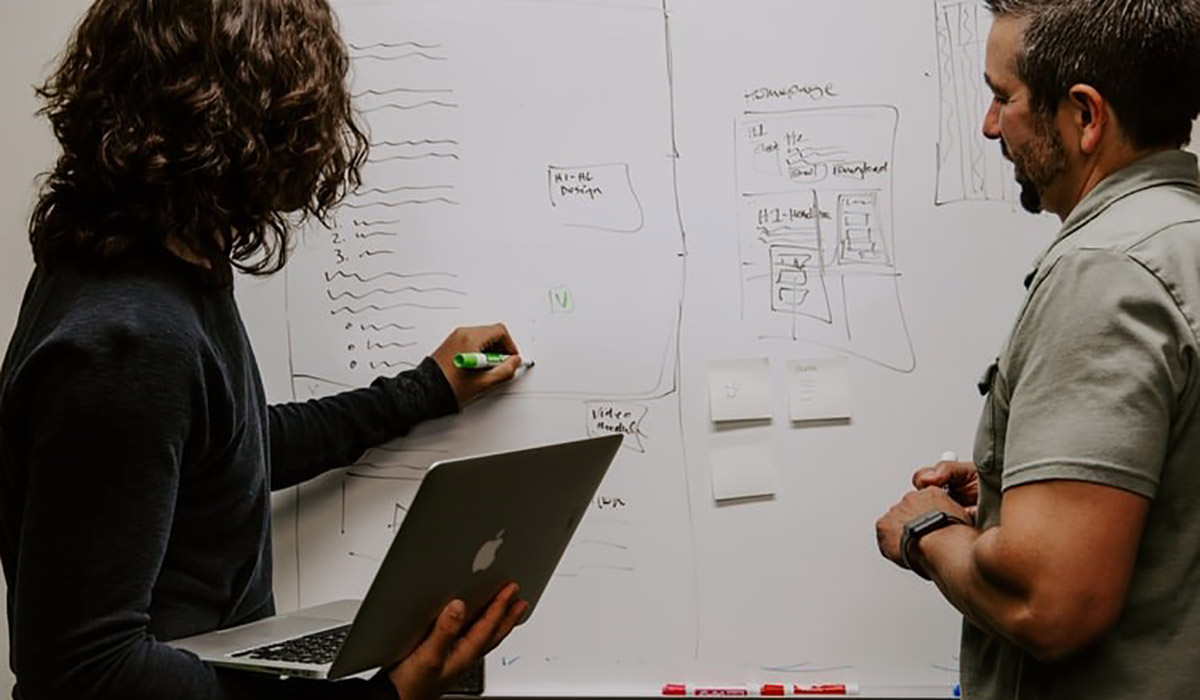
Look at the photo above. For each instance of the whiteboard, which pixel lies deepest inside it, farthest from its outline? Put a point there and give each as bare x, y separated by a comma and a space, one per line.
640, 188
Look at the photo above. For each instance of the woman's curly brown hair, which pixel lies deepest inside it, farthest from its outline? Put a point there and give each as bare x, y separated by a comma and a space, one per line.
206, 124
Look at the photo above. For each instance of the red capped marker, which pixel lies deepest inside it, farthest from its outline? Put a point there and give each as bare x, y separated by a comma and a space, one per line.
826, 689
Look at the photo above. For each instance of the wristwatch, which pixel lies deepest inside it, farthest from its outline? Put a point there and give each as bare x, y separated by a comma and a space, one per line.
917, 528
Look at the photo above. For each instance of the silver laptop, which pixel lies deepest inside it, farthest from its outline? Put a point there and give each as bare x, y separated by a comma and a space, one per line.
475, 524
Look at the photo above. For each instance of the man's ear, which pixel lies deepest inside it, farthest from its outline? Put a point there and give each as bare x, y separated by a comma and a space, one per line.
1089, 115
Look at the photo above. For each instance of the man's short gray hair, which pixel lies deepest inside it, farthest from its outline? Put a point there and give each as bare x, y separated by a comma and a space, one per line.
1143, 56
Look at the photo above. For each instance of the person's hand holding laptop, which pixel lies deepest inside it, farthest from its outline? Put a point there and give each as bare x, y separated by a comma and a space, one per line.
447, 652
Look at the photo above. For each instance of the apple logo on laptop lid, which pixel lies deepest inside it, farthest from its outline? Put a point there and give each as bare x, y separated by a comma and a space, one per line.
486, 556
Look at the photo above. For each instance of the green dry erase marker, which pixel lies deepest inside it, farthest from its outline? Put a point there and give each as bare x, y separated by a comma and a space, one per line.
484, 360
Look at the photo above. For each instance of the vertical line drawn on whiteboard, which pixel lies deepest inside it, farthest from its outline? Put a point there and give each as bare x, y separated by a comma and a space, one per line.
969, 168
815, 235
677, 368
600, 197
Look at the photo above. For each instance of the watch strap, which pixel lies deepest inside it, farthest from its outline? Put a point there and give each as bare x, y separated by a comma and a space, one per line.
917, 528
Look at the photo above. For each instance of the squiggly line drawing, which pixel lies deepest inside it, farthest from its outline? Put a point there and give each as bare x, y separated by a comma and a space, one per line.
419, 105
402, 290
405, 188
393, 45
373, 307
393, 91
405, 203
329, 277
401, 57
373, 327
364, 222
421, 142
419, 156
372, 345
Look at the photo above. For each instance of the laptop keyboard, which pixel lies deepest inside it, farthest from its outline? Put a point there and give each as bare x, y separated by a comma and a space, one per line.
316, 648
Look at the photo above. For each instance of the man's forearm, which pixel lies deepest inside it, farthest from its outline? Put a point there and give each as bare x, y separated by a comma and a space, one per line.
994, 586
948, 556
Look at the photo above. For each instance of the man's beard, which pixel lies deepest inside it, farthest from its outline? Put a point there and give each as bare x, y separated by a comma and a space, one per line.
1031, 199
1037, 165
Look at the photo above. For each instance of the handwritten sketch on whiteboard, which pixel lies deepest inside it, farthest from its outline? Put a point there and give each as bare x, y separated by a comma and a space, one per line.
453, 224
816, 236
969, 168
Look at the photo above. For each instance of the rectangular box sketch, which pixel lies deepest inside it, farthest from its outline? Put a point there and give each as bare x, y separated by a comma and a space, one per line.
797, 286
815, 238
969, 167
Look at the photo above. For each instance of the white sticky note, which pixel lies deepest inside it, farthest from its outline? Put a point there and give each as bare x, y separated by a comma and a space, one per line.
740, 389
819, 389
743, 471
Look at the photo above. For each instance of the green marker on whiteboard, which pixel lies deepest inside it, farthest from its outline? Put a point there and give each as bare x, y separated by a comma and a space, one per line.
484, 360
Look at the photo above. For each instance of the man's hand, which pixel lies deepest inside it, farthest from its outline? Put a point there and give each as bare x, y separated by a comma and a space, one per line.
468, 384
960, 479
890, 527
446, 653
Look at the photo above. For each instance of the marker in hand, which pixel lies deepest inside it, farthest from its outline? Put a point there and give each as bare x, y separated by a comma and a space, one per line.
948, 456
484, 360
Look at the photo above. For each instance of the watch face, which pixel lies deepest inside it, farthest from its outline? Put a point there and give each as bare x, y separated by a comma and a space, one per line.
924, 523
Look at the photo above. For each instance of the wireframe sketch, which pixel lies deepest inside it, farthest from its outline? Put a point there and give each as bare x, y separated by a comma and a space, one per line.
969, 167
817, 250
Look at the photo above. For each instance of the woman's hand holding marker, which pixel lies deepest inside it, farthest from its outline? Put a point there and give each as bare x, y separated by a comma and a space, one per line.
473, 348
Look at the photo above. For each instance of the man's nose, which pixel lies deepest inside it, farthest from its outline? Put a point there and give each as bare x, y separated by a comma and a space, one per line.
991, 121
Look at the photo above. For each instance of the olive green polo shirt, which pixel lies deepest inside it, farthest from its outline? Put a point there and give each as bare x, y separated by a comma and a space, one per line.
1099, 381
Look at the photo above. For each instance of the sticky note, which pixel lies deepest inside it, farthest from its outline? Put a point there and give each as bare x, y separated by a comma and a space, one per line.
740, 390
743, 471
819, 389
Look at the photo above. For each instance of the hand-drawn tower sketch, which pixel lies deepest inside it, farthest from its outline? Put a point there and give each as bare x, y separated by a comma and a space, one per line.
969, 168
817, 250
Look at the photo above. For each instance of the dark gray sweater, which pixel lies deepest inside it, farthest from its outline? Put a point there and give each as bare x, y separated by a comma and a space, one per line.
137, 456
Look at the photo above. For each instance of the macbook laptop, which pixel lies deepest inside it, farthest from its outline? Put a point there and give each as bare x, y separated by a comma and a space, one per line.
474, 525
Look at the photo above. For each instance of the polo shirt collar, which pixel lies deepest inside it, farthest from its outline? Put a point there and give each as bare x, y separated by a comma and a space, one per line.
1170, 167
